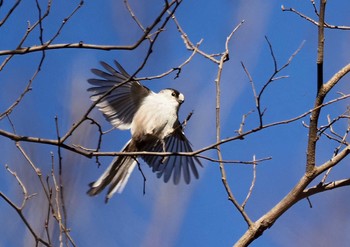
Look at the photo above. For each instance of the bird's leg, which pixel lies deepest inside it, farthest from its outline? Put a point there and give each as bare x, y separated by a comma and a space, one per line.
184, 123
164, 150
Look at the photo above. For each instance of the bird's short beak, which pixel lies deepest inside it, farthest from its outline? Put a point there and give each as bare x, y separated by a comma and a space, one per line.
181, 98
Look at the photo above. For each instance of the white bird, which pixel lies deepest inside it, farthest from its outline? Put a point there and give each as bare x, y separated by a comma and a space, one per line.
153, 121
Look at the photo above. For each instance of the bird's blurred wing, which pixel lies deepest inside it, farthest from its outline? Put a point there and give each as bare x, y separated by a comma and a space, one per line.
173, 165
120, 104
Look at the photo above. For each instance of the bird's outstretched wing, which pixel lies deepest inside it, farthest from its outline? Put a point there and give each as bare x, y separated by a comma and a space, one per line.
120, 105
173, 165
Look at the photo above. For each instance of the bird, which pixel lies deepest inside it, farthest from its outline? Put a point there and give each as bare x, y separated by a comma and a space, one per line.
153, 121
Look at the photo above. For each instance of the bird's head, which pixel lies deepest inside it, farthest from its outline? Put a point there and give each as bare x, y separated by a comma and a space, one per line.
173, 95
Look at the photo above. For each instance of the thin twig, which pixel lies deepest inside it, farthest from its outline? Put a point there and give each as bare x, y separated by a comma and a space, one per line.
241, 126
82, 45
251, 186
15, 5
133, 16
326, 25
19, 210
273, 77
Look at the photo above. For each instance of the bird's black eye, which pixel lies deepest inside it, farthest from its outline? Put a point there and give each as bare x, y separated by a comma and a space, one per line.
173, 94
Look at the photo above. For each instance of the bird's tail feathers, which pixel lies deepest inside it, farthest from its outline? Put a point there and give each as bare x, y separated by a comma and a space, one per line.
116, 175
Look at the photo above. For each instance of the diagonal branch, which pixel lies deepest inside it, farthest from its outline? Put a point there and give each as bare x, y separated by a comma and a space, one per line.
15, 5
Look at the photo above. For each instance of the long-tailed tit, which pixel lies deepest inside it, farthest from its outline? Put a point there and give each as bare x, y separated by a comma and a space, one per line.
153, 121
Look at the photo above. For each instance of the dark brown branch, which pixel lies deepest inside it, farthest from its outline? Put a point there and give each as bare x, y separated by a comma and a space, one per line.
314, 7
313, 125
15, 5
29, 30
82, 45
320, 47
62, 220
28, 88
273, 77
64, 22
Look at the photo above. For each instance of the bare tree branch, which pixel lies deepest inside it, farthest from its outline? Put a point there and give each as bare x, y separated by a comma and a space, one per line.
231, 197
272, 78
19, 209
15, 5
55, 210
326, 25
325, 187
251, 186
312, 171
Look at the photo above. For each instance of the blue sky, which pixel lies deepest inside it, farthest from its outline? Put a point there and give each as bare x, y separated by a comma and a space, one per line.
198, 214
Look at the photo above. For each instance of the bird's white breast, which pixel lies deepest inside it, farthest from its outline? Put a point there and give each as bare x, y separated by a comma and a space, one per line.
156, 116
